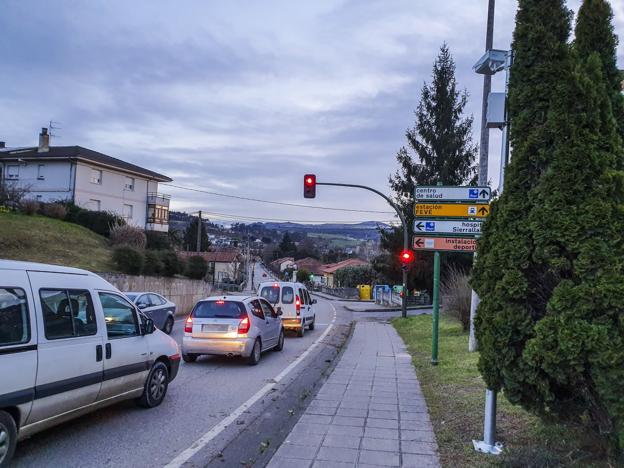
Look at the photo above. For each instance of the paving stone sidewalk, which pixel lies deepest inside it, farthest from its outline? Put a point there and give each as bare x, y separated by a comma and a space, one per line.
370, 412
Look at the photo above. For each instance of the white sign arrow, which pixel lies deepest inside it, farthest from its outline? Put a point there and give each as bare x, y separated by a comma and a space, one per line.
440, 193
458, 228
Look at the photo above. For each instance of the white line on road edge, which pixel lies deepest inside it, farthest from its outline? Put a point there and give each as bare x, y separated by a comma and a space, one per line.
204, 440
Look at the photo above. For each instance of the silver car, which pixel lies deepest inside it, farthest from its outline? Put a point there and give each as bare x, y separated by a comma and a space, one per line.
154, 306
232, 326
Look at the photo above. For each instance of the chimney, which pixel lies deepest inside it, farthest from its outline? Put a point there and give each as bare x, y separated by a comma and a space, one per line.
44, 141
2, 144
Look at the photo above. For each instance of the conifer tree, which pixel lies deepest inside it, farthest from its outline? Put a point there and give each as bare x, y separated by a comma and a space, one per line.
550, 265
594, 33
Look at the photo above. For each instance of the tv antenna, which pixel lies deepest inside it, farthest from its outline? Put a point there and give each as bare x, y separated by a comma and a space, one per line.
54, 126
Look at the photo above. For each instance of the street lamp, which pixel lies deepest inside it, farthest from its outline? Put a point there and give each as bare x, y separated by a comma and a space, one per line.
492, 62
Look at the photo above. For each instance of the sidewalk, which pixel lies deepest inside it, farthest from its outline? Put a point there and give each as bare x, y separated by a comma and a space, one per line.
369, 413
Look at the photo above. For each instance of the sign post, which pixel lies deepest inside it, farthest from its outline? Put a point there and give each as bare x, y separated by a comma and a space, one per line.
436, 308
448, 219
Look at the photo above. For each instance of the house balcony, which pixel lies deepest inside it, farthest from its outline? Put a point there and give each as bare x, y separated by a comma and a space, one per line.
157, 212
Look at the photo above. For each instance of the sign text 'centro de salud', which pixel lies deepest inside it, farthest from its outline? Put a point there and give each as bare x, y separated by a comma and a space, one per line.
441, 193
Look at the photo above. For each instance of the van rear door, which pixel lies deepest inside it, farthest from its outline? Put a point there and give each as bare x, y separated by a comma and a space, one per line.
70, 348
18, 342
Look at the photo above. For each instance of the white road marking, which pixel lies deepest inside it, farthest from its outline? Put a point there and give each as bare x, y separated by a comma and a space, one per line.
204, 440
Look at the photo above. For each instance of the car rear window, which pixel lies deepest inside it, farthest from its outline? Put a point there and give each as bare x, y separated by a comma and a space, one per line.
270, 293
219, 309
288, 295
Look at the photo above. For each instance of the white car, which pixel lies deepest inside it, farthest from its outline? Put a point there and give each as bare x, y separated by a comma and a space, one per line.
295, 303
70, 343
232, 326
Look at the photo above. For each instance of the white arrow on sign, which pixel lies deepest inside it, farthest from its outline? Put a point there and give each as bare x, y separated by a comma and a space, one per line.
440, 193
459, 228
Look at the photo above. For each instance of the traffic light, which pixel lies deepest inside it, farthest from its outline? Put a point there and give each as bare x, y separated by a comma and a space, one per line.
309, 186
407, 257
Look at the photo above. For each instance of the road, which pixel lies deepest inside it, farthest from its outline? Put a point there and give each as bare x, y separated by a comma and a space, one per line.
203, 395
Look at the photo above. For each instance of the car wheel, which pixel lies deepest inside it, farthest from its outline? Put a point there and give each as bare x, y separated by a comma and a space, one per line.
189, 357
155, 386
311, 326
254, 357
168, 325
8, 438
301, 331
280, 341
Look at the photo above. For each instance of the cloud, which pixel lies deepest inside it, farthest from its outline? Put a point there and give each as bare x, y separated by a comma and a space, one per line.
241, 97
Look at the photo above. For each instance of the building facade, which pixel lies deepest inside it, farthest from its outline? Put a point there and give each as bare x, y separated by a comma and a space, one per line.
89, 179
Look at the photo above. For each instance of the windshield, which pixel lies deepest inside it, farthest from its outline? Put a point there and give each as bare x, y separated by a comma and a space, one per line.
271, 294
131, 296
219, 309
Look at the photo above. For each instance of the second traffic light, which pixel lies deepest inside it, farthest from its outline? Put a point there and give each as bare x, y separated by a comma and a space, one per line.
309, 186
407, 257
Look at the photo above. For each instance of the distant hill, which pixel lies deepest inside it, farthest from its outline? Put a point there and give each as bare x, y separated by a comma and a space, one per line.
365, 230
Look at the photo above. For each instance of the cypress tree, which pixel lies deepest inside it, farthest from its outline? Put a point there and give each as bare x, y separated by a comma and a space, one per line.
550, 321
594, 34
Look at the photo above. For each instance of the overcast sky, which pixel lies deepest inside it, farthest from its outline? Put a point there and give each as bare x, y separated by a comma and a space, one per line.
242, 97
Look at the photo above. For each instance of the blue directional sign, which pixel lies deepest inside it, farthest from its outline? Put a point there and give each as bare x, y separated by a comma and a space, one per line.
456, 193
461, 228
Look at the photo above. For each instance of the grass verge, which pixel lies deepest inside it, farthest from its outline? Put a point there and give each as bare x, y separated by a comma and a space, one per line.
47, 240
455, 395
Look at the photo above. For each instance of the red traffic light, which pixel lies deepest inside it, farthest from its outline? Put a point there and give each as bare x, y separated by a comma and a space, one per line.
407, 256
309, 186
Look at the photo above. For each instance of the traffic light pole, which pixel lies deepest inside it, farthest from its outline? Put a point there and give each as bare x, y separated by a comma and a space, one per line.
405, 233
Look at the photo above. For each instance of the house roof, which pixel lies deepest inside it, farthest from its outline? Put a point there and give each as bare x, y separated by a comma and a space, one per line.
334, 267
81, 154
225, 256
311, 264
279, 261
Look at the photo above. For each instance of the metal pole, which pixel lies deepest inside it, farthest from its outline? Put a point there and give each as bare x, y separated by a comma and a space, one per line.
483, 157
199, 226
436, 308
405, 232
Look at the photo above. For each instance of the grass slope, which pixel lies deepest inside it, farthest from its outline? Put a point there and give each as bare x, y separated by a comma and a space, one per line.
455, 395
47, 240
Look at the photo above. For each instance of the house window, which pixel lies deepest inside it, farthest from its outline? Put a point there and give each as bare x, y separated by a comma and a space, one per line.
129, 184
96, 176
157, 214
95, 205
13, 171
127, 212
40, 169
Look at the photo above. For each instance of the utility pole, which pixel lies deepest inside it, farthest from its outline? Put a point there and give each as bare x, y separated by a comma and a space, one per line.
199, 229
483, 155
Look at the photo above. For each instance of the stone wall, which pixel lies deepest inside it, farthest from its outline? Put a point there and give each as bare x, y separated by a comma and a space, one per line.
183, 292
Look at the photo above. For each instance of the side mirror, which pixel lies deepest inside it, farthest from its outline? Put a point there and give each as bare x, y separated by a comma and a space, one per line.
142, 305
148, 326
313, 301
279, 311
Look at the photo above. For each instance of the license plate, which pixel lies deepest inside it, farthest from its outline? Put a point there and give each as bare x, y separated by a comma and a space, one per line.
213, 327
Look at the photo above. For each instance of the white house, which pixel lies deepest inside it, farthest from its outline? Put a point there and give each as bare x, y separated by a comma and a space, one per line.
89, 179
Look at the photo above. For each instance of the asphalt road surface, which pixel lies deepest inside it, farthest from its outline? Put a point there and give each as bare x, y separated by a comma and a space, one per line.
203, 395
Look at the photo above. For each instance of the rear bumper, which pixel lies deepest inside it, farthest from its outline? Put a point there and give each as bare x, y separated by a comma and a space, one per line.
221, 347
292, 323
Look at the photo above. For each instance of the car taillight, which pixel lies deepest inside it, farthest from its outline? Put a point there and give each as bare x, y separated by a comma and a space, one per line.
298, 305
188, 325
243, 326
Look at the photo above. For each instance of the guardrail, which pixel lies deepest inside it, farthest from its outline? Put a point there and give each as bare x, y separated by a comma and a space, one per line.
345, 293
392, 298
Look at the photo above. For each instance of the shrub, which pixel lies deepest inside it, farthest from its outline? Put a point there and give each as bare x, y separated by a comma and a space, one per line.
153, 264
158, 240
128, 260
172, 264
125, 234
457, 293
196, 267
54, 210
99, 222
29, 207
12, 194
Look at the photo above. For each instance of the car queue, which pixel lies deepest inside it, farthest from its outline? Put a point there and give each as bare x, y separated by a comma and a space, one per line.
72, 343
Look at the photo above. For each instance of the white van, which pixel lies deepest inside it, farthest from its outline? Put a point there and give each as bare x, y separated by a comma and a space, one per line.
70, 342
294, 301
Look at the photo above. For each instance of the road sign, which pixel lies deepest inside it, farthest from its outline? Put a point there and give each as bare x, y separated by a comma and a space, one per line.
455, 244
459, 227
440, 193
451, 210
